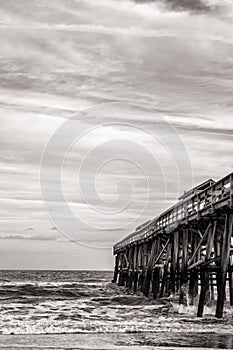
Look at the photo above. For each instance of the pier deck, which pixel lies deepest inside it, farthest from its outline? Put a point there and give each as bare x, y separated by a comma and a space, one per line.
185, 251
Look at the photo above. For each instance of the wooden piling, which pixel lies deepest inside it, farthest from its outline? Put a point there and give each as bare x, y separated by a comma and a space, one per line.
184, 268
121, 272
230, 284
114, 280
148, 275
156, 282
174, 258
204, 276
135, 269
225, 254
193, 278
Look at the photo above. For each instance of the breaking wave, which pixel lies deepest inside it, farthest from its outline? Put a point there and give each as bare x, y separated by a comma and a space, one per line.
69, 302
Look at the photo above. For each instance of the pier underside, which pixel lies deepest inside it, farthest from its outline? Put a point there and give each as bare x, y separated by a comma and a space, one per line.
185, 252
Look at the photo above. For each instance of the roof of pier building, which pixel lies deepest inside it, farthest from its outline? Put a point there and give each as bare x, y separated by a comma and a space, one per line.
201, 187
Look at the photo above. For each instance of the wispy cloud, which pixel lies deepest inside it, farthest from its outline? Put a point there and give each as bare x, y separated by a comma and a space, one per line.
164, 63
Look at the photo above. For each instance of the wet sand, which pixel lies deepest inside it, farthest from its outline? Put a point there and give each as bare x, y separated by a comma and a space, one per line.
118, 342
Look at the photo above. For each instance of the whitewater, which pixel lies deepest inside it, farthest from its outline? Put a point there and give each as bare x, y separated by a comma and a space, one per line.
83, 309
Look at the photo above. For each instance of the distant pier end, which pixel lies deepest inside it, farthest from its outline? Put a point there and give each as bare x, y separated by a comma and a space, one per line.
186, 251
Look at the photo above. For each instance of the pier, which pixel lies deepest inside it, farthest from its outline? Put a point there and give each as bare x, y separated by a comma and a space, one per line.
185, 251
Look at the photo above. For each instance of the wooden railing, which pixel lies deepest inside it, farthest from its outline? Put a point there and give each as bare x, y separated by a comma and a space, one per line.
213, 197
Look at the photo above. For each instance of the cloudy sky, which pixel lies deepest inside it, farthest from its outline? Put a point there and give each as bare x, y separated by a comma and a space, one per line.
109, 110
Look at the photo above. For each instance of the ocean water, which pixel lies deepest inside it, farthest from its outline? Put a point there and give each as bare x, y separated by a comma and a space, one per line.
84, 310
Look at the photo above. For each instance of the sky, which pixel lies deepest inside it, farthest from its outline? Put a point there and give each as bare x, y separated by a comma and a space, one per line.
109, 110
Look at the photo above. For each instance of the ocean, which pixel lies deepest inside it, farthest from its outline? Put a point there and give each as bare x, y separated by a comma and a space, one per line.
84, 310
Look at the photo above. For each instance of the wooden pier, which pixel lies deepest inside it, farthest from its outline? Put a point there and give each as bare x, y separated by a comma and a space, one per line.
184, 252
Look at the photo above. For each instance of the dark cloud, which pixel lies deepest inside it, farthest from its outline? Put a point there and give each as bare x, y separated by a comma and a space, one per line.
193, 6
197, 6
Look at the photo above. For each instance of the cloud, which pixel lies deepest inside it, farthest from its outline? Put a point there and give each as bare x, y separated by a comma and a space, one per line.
172, 57
34, 237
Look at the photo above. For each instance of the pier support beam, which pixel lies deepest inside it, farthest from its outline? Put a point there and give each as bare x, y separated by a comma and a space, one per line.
149, 271
225, 254
204, 273
174, 259
116, 268
193, 279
